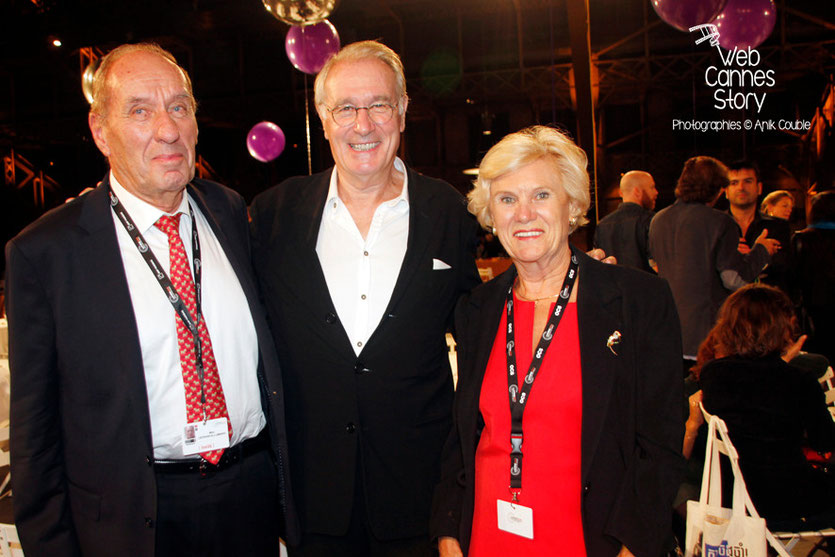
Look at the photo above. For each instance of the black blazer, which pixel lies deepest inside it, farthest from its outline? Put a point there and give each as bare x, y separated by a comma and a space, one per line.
81, 450
632, 423
773, 410
387, 412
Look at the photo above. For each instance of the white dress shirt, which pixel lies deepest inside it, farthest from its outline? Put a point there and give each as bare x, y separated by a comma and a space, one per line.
361, 273
225, 309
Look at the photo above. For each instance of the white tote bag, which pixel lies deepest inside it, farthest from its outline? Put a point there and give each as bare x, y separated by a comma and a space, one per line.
717, 531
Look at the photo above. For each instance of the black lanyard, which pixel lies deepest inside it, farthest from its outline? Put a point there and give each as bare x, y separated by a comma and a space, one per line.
517, 405
166, 284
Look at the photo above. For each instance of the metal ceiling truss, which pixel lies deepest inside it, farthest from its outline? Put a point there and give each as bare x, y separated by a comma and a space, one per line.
624, 80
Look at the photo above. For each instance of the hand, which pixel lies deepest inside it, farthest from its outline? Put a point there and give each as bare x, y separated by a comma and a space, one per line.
743, 247
696, 417
694, 422
600, 255
625, 552
449, 547
85, 191
794, 349
770, 244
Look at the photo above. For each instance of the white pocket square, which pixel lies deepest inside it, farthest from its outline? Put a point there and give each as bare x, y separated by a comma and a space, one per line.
438, 265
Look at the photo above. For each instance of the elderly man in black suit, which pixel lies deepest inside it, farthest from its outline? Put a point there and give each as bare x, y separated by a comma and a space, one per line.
144, 377
360, 267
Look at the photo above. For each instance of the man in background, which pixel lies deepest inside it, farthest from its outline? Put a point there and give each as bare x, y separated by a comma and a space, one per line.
742, 192
695, 248
144, 374
625, 232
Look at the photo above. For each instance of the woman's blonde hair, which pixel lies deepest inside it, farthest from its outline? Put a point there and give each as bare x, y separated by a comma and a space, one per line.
773, 199
525, 147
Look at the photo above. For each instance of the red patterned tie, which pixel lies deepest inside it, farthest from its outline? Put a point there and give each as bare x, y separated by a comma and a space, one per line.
180, 275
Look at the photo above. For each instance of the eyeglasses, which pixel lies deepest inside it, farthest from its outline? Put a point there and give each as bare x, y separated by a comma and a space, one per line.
346, 115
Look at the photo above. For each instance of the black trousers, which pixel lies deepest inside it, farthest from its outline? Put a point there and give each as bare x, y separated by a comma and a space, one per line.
359, 541
233, 512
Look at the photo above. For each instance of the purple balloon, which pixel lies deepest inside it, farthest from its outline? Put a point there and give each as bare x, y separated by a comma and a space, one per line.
310, 46
745, 23
684, 14
265, 141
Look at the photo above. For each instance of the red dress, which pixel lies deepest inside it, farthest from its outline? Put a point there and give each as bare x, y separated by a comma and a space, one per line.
552, 423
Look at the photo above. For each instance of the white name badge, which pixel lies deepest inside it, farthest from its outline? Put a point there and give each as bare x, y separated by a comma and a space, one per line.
515, 518
201, 437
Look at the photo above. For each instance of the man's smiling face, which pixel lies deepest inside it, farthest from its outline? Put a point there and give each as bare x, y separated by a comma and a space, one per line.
363, 151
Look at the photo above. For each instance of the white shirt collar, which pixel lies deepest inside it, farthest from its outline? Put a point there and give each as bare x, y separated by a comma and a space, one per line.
144, 214
332, 201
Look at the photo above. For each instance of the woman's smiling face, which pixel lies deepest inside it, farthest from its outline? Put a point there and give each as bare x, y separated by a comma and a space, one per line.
530, 211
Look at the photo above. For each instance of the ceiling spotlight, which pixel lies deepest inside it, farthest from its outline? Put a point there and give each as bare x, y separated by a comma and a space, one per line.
56, 42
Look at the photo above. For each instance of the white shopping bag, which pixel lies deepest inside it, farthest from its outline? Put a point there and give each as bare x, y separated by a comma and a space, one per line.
717, 531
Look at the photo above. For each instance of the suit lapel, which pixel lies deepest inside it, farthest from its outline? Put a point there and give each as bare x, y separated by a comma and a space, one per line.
486, 307
308, 280
599, 315
420, 229
308, 213
239, 261
306, 218
101, 253
491, 316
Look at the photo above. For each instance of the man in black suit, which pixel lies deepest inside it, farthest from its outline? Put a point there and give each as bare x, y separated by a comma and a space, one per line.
625, 233
140, 414
360, 267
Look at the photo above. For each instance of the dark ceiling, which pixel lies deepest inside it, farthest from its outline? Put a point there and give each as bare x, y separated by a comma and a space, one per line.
468, 62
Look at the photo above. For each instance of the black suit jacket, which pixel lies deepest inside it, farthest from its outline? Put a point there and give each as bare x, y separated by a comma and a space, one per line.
81, 448
625, 234
386, 413
782, 264
773, 410
632, 423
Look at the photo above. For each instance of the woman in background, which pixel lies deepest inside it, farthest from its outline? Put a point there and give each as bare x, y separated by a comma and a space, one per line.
778, 204
589, 354
772, 409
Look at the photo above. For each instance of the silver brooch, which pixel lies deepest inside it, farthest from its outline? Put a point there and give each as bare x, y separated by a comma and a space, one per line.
614, 339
